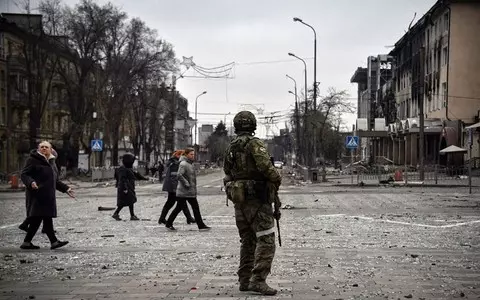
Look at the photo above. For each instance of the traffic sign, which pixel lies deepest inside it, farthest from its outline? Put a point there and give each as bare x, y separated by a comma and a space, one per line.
96, 145
351, 142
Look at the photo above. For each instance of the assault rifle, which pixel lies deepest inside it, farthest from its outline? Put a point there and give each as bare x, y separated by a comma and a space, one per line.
277, 213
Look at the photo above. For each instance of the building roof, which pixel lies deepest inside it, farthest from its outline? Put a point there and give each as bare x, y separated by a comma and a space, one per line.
419, 25
360, 75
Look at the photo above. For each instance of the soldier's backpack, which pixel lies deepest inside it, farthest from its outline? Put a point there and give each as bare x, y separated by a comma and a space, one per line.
241, 166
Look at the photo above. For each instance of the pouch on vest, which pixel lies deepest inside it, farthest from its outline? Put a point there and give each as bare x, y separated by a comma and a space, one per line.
235, 191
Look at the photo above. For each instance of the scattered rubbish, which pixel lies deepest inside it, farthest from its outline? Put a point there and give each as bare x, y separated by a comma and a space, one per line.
24, 261
218, 256
104, 268
101, 208
409, 296
330, 266
414, 255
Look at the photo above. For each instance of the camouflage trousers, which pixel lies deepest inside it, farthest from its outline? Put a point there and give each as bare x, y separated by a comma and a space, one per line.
256, 227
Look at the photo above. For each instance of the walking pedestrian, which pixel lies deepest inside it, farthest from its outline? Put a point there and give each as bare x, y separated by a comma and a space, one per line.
125, 183
40, 177
251, 183
26, 222
187, 191
170, 186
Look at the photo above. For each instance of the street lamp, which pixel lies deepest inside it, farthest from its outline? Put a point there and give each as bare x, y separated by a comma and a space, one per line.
314, 61
297, 124
307, 160
225, 119
305, 72
196, 121
314, 82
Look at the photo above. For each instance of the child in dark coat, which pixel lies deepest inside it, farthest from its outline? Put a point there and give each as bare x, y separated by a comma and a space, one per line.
125, 177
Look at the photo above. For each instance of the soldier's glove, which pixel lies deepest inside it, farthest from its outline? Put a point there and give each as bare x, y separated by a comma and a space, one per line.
277, 215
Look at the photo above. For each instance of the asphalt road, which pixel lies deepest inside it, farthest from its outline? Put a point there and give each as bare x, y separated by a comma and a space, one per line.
338, 243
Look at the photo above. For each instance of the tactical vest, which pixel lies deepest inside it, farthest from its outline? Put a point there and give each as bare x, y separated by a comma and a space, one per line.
242, 162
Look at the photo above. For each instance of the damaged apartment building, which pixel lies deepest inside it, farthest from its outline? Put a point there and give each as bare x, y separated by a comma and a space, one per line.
435, 64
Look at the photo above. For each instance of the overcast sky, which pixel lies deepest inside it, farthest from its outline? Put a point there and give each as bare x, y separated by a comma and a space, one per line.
217, 32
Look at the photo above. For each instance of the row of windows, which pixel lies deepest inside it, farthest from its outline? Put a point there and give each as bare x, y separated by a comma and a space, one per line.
57, 124
409, 107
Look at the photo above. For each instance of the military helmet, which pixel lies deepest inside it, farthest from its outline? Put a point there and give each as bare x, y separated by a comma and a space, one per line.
245, 121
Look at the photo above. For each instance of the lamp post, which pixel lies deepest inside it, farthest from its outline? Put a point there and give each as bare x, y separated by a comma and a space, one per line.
297, 120
297, 130
225, 119
196, 121
307, 152
314, 83
314, 61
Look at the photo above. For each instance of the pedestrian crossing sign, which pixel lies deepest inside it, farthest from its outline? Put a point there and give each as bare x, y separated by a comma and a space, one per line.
96, 145
351, 142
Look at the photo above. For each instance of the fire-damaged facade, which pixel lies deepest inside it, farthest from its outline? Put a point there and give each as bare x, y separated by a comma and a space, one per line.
433, 68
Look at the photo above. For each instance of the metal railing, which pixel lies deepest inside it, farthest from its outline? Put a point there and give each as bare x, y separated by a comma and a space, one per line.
433, 174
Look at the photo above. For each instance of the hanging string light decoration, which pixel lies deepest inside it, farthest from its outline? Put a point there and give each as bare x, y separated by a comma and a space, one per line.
221, 72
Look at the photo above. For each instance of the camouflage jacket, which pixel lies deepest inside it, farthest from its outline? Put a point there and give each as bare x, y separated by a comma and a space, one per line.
246, 158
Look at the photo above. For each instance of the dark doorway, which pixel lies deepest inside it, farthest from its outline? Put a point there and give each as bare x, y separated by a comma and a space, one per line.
442, 160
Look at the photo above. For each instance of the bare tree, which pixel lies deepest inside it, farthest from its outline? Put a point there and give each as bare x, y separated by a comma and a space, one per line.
134, 57
85, 28
330, 110
39, 58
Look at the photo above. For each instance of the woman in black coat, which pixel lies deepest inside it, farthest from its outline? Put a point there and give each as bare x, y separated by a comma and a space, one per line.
40, 177
126, 196
170, 185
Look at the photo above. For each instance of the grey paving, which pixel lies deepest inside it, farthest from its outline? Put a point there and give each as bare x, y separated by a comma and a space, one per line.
339, 243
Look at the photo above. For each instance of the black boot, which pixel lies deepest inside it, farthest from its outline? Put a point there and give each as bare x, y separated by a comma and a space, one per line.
23, 226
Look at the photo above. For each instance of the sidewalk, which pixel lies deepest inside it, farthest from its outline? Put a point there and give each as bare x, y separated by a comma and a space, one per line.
82, 184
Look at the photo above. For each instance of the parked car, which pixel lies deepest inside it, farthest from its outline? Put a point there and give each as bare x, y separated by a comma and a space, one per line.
278, 164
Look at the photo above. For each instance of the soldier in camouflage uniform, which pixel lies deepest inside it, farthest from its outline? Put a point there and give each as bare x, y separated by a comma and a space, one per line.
251, 184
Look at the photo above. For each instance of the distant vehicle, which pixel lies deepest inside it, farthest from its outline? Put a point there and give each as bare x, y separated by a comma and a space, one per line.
278, 164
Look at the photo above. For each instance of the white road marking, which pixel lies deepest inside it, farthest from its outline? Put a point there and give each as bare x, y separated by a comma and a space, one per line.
416, 224
330, 215
8, 226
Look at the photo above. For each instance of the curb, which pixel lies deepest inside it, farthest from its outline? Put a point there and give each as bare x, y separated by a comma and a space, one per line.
98, 185
406, 185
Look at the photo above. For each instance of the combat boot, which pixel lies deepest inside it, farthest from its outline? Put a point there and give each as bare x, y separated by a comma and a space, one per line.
244, 286
262, 288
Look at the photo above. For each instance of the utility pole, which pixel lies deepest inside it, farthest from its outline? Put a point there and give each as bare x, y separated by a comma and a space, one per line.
422, 114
